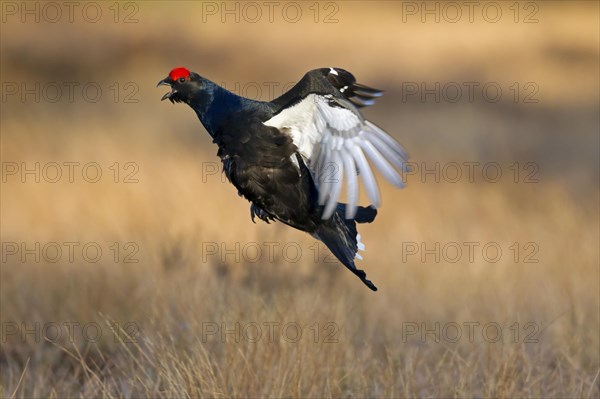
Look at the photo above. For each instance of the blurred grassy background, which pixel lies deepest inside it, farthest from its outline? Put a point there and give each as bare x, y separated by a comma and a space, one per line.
178, 207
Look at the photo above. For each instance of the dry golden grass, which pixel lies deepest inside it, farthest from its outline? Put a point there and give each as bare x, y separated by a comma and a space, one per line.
172, 296
156, 316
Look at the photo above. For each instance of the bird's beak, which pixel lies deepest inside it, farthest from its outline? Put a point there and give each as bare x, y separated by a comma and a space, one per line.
166, 82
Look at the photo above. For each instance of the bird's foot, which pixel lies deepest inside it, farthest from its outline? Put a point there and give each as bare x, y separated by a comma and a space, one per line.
262, 215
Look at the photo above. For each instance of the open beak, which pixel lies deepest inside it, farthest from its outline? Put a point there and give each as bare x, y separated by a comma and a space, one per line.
166, 82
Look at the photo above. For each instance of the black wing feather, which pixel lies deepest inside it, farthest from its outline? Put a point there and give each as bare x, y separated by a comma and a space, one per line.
335, 81
360, 95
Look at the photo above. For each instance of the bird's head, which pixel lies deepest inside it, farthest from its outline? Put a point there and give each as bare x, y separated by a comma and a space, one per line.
184, 84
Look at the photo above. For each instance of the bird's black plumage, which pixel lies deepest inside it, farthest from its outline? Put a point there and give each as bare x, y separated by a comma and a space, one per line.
271, 165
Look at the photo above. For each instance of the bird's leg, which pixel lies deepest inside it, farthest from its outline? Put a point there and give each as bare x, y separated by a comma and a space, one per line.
262, 215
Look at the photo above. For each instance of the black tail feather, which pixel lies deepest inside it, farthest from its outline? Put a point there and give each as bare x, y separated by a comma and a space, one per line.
340, 237
363, 215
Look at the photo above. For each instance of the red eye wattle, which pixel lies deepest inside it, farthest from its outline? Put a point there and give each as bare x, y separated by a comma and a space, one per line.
179, 72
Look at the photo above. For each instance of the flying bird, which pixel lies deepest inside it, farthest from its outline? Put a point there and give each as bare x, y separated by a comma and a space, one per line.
292, 156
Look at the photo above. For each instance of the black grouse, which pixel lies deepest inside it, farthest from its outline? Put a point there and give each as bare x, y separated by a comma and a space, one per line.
290, 157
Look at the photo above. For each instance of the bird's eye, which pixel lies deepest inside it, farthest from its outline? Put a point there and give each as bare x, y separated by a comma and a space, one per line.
181, 80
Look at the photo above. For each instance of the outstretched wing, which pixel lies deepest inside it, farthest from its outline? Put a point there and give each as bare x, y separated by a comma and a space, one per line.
337, 143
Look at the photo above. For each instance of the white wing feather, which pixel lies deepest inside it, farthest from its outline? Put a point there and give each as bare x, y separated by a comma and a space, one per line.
335, 138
